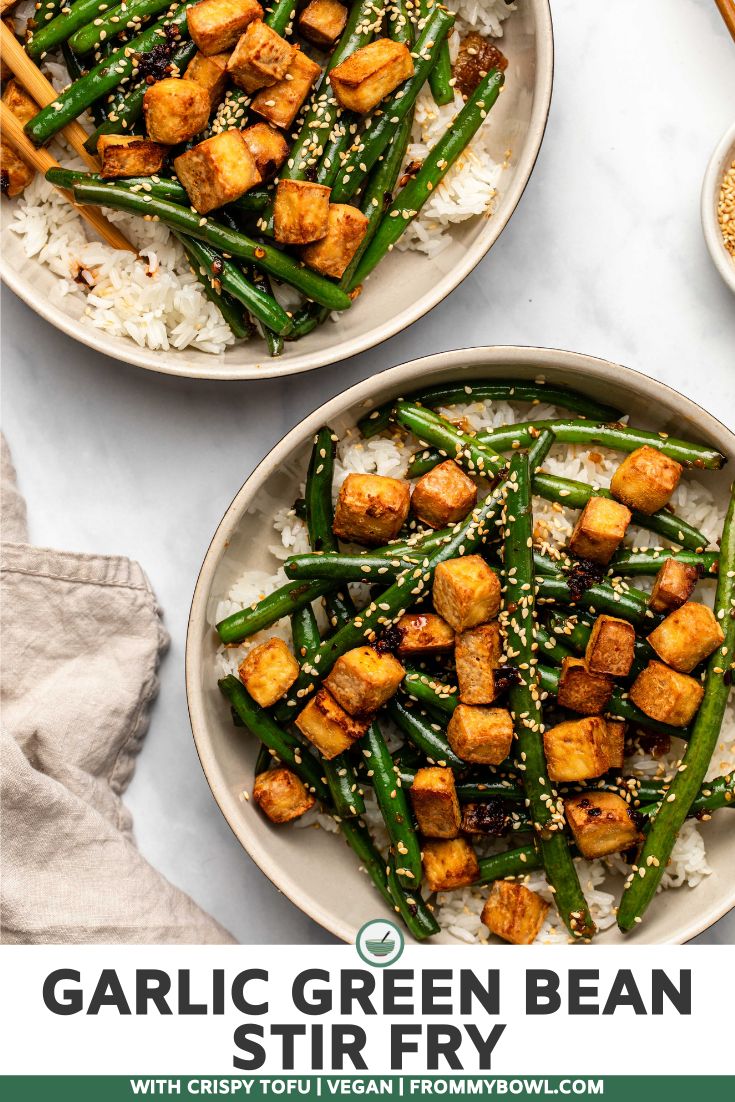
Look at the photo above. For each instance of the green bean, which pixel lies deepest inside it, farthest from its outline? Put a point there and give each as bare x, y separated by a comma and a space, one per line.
358, 838
641, 886
514, 862
427, 690
343, 787
628, 604
496, 390
427, 736
342, 567
220, 237
76, 71
410, 905
261, 305
650, 560
476, 458
158, 187
44, 12
400, 23
264, 727
525, 702
58, 30
370, 145
264, 759
114, 21
304, 631
273, 340
394, 808
440, 77
286, 600
438, 162
231, 310
550, 648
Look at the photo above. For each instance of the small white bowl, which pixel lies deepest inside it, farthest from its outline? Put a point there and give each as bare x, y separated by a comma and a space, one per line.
720, 161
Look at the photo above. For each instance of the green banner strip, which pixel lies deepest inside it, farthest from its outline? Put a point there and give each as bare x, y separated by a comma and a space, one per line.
613, 1088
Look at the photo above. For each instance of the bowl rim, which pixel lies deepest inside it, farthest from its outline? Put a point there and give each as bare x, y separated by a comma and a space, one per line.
578, 364
724, 151
171, 362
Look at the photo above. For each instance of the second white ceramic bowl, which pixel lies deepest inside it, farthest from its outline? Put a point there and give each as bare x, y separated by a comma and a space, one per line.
720, 161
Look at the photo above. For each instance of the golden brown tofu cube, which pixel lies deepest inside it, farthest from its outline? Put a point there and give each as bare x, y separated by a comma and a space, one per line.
577, 750
281, 103
281, 795
616, 729
20, 103
268, 147
300, 212
646, 479
435, 803
449, 863
674, 585
477, 655
210, 73
322, 22
216, 25
599, 530
331, 255
611, 646
260, 58
363, 680
581, 690
217, 171
667, 695
482, 735
514, 912
175, 110
15, 174
424, 633
687, 636
443, 495
366, 77
268, 672
127, 155
466, 592
371, 509
602, 823
328, 726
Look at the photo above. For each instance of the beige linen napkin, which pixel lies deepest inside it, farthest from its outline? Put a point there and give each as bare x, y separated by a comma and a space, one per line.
81, 641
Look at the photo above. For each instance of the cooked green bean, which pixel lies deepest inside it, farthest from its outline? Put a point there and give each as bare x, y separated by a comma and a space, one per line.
358, 838
394, 808
641, 886
342, 567
514, 862
286, 600
477, 459
427, 736
159, 187
114, 21
628, 604
440, 77
55, 31
410, 905
231, 310
75, 69
650, 560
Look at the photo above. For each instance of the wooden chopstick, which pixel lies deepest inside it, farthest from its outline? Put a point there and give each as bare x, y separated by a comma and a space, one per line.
42, 161
727, 11
36, 85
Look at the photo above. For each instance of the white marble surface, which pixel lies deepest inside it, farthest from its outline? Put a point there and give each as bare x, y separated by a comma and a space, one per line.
604, 255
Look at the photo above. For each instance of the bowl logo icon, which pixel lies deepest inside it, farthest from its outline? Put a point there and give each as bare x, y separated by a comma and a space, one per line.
379, 942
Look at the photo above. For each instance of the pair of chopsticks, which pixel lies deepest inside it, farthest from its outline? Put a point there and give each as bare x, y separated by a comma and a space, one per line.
38, 87
727, 11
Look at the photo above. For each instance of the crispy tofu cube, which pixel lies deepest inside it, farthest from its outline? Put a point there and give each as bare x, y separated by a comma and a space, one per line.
281, 103
435, 803
687, 636
477, 655
370, 74
424, 633
260, 58
15, 174
210, 73
175, 110
300, 212
268, 671
322, 22
602, 823
449, 863
611, 646
281, 795
673, 586
20, 103
371, 509
667, 695
267, 146
581, 690
616, 729
599, 530
216, 25
514, 912
487, 817
363, 680
328, 726
443, 495
577, 749
466, 592
332, 254
127, 155
217, 171
482, 735
646, 479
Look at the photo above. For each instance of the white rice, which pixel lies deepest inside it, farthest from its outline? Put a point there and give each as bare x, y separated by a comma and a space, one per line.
458, 912
160, 304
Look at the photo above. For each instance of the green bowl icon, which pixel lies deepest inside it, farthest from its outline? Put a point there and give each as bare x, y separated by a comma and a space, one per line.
380, 948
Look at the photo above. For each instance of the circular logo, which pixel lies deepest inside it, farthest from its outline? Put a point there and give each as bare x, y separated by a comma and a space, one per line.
379, 942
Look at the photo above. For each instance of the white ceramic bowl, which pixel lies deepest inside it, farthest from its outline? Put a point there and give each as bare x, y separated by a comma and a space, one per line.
720, 161
409, 284
315, 869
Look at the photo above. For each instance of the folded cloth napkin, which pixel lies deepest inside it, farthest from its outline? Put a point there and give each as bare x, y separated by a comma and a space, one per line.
81, 641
